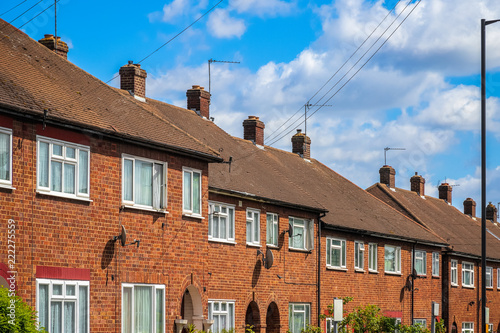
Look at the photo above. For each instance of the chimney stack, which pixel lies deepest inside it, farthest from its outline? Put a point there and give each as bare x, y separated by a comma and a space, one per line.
470, 207
61, 48
491, 213
388, 176
133, 79
198, 99
445, 192
418, 184
301, 144
253, 130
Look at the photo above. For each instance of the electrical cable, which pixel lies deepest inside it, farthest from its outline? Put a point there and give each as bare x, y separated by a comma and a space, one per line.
338, 90
331, 77
27, 10
19, 4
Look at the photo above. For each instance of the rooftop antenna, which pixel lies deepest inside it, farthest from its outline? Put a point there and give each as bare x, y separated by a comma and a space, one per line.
307, 106
55, 26
387, 149
211, 61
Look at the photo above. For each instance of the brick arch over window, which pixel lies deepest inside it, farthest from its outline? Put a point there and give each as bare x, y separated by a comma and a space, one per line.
252, 317
273, 318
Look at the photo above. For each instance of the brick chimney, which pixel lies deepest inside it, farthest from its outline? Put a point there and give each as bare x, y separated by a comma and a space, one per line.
491, 213
50, 42
470, 207
301, 144
133, 79
388, 176
198, 99
253, 130
418, 184
445, 192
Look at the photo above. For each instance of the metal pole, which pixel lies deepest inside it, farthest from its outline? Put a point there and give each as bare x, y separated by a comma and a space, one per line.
483, 176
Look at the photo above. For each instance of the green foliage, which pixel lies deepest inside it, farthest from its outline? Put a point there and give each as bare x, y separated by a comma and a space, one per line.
311, 329
249, 329
364, 319
440, 328
413, 329
15, 315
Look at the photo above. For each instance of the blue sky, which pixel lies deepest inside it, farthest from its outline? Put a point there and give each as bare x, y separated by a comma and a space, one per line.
420, 91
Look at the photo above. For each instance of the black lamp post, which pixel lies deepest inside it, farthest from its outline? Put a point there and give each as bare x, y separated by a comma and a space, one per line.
484, 23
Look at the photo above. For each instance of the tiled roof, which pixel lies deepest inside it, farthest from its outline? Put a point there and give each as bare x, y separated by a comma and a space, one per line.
34, 79
461, 231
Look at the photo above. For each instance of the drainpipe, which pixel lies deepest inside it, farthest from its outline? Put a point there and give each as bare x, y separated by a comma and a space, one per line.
319, 266
413, 282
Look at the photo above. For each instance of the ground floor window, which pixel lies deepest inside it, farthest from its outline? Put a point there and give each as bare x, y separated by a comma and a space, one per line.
63, 305
420, 322
467, 327
299, 316
222, 313
332, 326
143, 308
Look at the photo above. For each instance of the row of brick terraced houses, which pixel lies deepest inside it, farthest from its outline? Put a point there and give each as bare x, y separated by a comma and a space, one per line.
221, 232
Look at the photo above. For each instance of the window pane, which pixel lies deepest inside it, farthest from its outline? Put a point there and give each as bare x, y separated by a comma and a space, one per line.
256, 235
159, 311
56, 176
128, 180
4, 156
57, 150
70, 290
83, 172
158, 186
83, 309
231, 223
231, 315
43, 164
223, 224
328, 251
142, 309
196, 193
127, 310
143, 183
70, 153
343, 254
56, 317
69, 178
57, 289
69, 316
249, 231
43, 305
269, 229
187, 191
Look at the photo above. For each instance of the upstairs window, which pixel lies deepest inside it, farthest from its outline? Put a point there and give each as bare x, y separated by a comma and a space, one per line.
420, 262
392, 259
435, 263
359, 255
489, 277
303, 234
454, 272
191, 192
5, 157
467, 274
272, 229
144, 183
372, 257
253, 226
63, 168
221, 222
336, 253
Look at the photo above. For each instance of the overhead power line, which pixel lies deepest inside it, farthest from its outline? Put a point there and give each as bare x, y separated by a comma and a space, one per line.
19, 4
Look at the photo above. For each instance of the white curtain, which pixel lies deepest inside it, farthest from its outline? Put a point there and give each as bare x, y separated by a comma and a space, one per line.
144, 183
158, 186
56, 176
83, 172
256, 222
196, 193
187, 191
83, 306
69, 178
231, 223
159, 311
56, 317
43, 164
127, 310
128, 180
143, 309
43, 305
4, 156
69, 317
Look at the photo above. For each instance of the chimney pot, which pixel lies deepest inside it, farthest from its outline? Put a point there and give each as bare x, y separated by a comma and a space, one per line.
253, 130
199, 100
445, 192
470, 207
301, 144
491, 213
133, 78
418, 184
388, 176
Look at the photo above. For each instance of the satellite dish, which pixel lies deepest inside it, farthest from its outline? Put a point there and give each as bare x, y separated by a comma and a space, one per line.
122, 237
290, 229
268, 261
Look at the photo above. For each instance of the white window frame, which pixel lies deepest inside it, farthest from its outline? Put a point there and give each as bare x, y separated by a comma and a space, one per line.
64, 298
304, 227
253, 223
7, 183
489, 328
64, 160
272, 229
340, 247
292, 310
467, 327
468, 271
163, 186
454, 272
421, 258
420, 321
489, 277
435, 263
216, 211
359, 255
397, 259
154, 288
227, 313
189, 211
372, 257
331, 326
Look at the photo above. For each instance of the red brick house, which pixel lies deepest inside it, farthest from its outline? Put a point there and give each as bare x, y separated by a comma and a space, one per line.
461, 260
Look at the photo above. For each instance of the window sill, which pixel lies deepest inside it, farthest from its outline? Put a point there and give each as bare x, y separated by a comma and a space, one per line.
435, 276
372, 271
299, 250
468, 287
393, 273
65, 196
272, 246
330, 268
194, 216
454, 285
222, 241
253, 245
7, 187
358, 270
147, 209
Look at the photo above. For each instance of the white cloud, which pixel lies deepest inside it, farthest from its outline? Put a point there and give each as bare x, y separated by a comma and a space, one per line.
177, 9
264, 7
221, 25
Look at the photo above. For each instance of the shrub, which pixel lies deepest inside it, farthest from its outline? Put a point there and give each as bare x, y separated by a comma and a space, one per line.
15, 315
